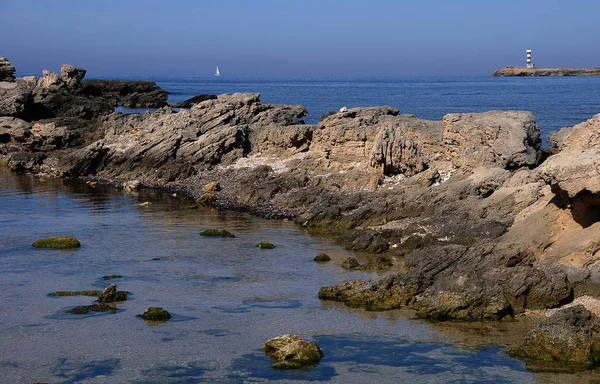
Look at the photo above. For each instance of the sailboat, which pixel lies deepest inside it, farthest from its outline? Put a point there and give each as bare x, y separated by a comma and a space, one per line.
217, 73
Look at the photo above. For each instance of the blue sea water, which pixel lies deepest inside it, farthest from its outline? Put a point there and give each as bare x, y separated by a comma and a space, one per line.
555, 101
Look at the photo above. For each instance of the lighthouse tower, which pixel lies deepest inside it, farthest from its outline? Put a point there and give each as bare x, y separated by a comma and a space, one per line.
529, 64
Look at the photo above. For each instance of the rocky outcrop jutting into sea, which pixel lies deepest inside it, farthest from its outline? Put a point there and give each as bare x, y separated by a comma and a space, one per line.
524, 71
487, 224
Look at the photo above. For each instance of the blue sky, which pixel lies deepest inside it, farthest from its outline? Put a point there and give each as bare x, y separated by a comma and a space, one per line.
307, 38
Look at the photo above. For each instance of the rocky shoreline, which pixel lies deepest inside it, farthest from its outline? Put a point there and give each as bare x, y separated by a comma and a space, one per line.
480, 221
524, 71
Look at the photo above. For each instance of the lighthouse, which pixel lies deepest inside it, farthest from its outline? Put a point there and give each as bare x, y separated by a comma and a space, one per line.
529, 64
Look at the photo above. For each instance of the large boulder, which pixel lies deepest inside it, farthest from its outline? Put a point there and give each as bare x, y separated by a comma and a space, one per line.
574, 169
7, 70
16, 97
72, 76
567, 340
505, 139
292, 352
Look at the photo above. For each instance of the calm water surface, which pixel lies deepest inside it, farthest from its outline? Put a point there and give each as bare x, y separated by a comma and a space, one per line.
227, 298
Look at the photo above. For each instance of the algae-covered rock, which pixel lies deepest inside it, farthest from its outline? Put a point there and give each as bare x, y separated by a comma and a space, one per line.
74, 293
350, 263
62, 242
569, 340
110, 294
292, 352
265, 245
85, 309
216, 233
112, 277
155, 314
322, 258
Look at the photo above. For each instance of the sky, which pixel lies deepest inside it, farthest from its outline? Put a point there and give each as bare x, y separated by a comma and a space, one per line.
297, 38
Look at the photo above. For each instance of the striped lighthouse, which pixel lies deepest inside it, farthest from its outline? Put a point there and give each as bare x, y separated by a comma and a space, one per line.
529, 64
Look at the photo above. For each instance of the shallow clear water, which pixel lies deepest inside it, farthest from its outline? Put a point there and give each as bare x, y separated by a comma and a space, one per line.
227, 298
555, 101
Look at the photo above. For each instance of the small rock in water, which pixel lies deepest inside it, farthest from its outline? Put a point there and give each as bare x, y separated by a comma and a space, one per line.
110, 294
322, 258
216, 233
145, 204
111, 277
155, 314
292, 352
212, 187
350, 263
61, 242
265, 245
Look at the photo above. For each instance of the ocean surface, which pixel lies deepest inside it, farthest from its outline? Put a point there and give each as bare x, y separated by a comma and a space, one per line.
555, 101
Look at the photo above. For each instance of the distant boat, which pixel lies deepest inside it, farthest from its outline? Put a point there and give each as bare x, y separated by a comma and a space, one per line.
217, 73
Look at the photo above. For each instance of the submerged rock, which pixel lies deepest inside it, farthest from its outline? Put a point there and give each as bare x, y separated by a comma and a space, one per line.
205, 198
292, 352
92, 293
567, 340
322, 258
265, 245
111, 277
216, 233
62, 242
85, 309
155, 314
110, 294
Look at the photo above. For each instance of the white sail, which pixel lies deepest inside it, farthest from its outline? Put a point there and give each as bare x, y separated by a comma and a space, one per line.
217, 73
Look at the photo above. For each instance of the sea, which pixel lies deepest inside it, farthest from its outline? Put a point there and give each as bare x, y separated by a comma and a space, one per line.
226, 296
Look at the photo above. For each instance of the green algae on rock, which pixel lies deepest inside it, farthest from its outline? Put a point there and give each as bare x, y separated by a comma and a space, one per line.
292, 352
216, 233
60, 242
74, 293
155, 314
265, 245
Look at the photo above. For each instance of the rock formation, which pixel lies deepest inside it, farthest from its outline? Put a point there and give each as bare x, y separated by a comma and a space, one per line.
194, 100
130, 93
7, 70
524, 71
